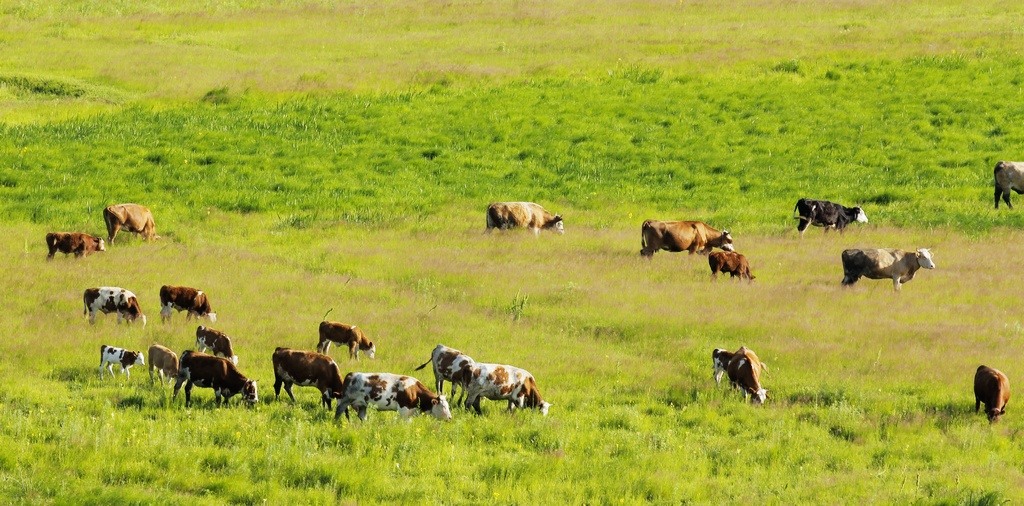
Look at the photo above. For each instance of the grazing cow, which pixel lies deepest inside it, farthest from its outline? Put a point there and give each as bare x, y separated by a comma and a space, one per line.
184, 298
110, 355
719, 363
1008, 176
305, 369
451, 365
504, 382
992, 388
207, 371
822, 213
164, 361
675, 236
112, 299
729, 262
505, 215
350, 335
73, 242
390, 392
131, 217
216, 341
745, 372
894, 264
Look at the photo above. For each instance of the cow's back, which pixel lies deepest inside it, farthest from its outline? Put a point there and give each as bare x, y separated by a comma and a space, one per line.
1009, 174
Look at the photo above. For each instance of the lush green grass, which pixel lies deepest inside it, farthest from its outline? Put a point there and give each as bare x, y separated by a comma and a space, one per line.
306, 156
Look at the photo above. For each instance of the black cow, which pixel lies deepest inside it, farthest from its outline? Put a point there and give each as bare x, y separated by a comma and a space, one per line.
822, 213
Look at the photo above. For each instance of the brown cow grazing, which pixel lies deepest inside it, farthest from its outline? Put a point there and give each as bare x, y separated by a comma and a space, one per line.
895, 264
343, 334
992, 388
110, 355
451, 365
131, 217
675, 236
216, 341
720, 363
729, 262
73, 242
306, 368
164, 361
745, 372
1008, 176
505, 215
112, 299
220, 374
184, 298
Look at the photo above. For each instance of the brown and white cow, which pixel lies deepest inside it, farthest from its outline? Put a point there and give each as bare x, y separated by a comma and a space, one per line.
504, 382
110, 355
731, 263
744, 371
506, 215
720, 363
1008, 176
992, 388
216, 341
390, 392
344, 334
73, 242
112, 299
131, 217
183, 298
450, 365
306, 368
895, 264
164, 361
675, 236
206, 371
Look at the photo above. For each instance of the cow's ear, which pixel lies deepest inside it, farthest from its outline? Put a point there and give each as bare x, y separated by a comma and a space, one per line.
557, 218
435, 401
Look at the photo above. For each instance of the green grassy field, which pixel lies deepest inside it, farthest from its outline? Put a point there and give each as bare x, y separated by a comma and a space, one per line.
300, 157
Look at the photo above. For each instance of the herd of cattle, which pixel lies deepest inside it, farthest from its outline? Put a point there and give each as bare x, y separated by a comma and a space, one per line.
409, 396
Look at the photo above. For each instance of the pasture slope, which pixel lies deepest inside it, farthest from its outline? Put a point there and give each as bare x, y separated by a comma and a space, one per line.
354, 177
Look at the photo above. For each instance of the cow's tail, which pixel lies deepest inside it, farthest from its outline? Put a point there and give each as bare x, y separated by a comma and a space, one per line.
1000, 166
327, 313
492, 217
108, 219
425, 363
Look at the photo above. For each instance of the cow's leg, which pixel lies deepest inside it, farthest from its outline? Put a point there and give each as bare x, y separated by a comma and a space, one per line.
177, 386
110, 367
218, 396
362, 413
1006, 198
288, 389
101, 368
323, 346
277, 385
802, 225
113, 229
407, 413
325, 399
998, 192
126, 371
151, 374
165, 313
977, 403
353, 350
896, 283
343, 405
92, 317
188, 393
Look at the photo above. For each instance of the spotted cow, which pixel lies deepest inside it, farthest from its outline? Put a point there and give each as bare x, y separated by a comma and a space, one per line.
110, 355
112, 299
504, 382
390, 392
450, 365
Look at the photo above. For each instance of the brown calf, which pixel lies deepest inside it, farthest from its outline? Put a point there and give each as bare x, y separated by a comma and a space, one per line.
731, 263
216, 341
745, 372
343, 334
991, 387
306, 368
73, 242
164, 361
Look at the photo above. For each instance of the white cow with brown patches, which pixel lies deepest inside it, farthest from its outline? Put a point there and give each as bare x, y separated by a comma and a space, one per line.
110, 355
745, 373
450, 365
504, 382
390, 392
112, 299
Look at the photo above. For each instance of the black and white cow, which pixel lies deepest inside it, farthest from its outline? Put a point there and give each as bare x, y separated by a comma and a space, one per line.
822, 213
110, 355
112, 299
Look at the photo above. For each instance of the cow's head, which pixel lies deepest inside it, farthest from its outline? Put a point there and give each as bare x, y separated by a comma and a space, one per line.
727, 241
440, 409
212, 317
544, 407
234, 359
139, 358
860, 217
760, 396
102, 246
249, 393
994, 414
370, 349
557, 224
924, 257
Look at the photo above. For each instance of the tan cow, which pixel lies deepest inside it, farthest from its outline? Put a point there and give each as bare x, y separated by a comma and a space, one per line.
745, 372
895, 264
675, 236
344, 334
992, 388
1008, 176
731, 263
505, 215
164, 361
131, 217
73, 242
